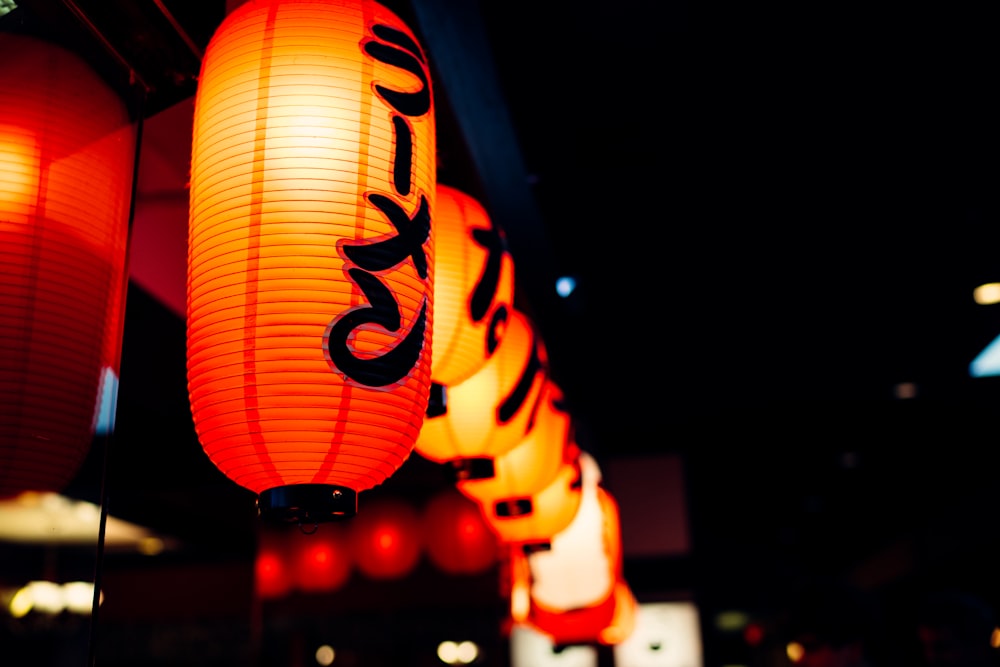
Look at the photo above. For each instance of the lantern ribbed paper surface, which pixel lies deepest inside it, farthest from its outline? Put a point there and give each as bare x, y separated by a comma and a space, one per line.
490, 412
67, 150
533, 463
473, 286
310, 251
532, 521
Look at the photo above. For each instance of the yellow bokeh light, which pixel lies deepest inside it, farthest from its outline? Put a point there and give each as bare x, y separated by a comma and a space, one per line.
325, 655
987, 294
795, 652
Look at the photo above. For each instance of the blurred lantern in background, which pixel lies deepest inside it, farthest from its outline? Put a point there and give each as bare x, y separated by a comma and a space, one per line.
272, 564
310, 264
533, 521
585, 558
67, 155
385, 538
576, 589
534, 462
321, 559
473, 286
489, 413
456, 538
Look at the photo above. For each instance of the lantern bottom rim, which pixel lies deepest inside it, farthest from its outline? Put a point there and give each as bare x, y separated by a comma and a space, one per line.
307, 503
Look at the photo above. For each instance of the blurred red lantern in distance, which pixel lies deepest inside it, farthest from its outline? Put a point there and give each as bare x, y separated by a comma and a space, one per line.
457, 539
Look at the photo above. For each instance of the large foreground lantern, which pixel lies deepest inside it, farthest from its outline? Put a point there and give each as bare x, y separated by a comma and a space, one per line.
310, 252
67, 151
490, 412
473, 286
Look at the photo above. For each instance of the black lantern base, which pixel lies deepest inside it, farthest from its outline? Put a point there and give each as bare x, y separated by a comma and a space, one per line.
307, 503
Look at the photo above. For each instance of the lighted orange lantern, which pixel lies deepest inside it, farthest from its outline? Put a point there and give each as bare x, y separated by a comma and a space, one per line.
533, 521
584, 559
67, 151
533, 463
473, 286
577, 592
385, 539
310, 264
490, 412
456, 538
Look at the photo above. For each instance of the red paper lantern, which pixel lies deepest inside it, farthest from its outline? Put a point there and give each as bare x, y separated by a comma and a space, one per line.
533, 463
310, 268
473, 286
456, 537
272, 565
385, 539
321, 559
67, 151
490, 412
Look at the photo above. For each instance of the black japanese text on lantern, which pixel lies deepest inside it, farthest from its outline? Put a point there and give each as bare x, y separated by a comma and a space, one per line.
395, 48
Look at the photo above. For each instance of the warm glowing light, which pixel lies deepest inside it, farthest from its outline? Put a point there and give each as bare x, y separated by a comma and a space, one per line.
21, 603
325, 655
489, 413
795, 652
995, 638
46, 597
49, 518
533, 463
987, 294
78, 596
67, 151
311, 252
666, 634
385, 539
447, 652
532, 648
473, 286
753, 634
545, 512
466, 652
320, 559
582, 565
456, 537
150, 546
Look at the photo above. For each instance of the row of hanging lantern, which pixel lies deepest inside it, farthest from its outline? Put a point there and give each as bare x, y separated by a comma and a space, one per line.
326, 265
383, 542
